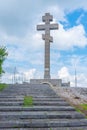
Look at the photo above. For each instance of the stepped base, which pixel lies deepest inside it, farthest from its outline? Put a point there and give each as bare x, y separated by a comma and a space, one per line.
49, 111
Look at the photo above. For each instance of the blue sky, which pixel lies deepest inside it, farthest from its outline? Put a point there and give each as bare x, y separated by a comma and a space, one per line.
18, 20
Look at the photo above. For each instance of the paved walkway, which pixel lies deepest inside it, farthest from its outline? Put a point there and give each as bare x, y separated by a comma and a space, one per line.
49, 111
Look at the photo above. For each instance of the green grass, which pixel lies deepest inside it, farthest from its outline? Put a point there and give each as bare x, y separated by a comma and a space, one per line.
28, 101
2, 86
84, 106
78, 110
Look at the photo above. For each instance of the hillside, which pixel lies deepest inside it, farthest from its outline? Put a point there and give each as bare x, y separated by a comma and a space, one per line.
75, 96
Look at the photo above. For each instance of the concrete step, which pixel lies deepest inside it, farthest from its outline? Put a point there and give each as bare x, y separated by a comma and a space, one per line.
36, 103
4, 95
57, 128
11, 103
43, 123
11, 99
35, 99
49, 111
36, 108
42, 90
41, 115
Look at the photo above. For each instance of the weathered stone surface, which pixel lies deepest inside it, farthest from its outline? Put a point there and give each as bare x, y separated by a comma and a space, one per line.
57, 128
75, 95
37, 108
41, 115
43, 123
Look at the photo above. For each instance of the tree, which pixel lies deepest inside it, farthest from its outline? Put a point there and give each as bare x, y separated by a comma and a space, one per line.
3, 55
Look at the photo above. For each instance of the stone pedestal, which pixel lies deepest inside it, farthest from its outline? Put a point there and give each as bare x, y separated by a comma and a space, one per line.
54, 82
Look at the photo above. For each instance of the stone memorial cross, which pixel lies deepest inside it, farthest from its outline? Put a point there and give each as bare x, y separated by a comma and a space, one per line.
47, 27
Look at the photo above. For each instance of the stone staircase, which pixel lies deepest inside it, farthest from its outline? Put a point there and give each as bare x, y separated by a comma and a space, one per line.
49, 112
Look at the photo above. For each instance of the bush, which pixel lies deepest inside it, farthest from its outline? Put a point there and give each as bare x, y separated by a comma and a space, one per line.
2, 86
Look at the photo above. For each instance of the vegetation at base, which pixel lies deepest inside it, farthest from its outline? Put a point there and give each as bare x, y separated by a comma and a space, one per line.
82, 108
28, 101
2, 86
78, 110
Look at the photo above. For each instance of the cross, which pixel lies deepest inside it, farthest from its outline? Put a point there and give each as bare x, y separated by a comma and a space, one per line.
47, 27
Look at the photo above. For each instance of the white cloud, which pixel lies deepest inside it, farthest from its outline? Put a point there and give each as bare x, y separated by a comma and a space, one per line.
66, 76
16, 20
29, 74
63, 73
6, 78
64, 39
67, 39
80, 18
68, 5
82, 80
57, 12
18, 33
19, 76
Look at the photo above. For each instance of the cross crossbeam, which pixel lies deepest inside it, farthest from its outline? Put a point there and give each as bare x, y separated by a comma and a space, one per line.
47, 26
